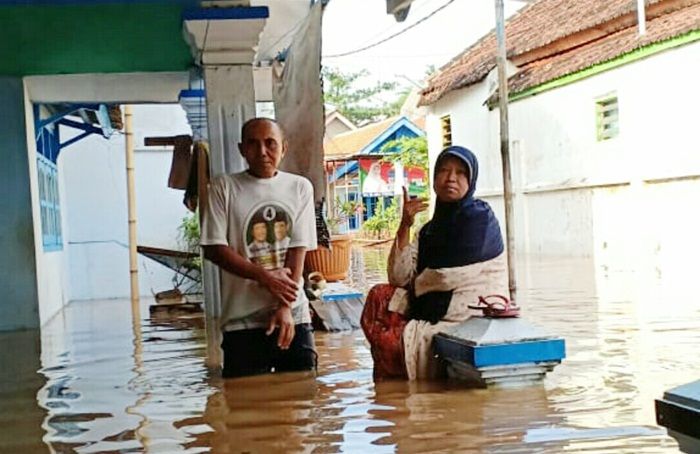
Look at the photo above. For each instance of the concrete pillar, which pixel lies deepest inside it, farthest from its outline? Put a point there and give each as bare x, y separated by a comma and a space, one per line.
19, 304
223, 40
230, 102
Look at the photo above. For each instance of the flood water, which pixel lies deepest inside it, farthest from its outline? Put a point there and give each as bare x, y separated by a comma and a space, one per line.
88, 382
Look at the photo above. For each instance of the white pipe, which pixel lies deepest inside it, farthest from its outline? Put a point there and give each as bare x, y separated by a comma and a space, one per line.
641, 17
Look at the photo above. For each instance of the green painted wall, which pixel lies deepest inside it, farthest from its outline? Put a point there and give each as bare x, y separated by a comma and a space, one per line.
19, 305
98, 38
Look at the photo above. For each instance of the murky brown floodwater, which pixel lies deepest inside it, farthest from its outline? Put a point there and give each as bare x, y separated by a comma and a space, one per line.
100, 388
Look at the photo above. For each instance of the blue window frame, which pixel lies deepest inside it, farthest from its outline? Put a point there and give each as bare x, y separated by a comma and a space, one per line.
47, 120
353, 221
50, 206
370, 206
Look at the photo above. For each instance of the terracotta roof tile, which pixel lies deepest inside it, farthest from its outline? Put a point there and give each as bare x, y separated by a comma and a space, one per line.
608, 48
546, 21
535, 26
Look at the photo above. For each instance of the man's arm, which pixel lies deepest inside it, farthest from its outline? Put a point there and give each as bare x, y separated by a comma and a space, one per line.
283, 318
278, 282
295, 261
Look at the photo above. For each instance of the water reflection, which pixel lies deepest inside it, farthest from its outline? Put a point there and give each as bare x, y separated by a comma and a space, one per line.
448, 418
21, 416
273, 413
103, 387
111, 390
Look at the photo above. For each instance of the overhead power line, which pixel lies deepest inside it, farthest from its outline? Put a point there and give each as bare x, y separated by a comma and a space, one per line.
361, 49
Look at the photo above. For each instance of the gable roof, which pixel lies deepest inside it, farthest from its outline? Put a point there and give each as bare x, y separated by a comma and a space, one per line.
619, 43
366, 139
543, 30
336, 115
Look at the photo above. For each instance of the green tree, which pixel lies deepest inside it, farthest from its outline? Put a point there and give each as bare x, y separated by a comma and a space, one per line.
409, 151
385, 220
359, 105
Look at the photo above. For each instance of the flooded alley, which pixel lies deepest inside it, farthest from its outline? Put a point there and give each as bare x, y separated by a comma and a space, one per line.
88, 383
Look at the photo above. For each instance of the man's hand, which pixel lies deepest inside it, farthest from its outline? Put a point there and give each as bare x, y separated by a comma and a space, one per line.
283, 319
280, 283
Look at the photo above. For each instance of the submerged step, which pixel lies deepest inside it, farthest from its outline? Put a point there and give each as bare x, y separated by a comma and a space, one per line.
487, 351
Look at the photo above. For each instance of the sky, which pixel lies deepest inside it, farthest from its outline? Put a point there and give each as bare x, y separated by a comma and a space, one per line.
352, 24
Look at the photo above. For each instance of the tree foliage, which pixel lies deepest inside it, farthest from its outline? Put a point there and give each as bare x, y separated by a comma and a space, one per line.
409, 151
359, 104
385, 220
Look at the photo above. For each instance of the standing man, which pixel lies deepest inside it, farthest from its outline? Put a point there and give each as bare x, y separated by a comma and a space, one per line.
265, 313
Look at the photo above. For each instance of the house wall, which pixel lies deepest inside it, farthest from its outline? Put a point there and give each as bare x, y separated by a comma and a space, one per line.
93, 172
51, 276
19, 307
334, 128
576, 196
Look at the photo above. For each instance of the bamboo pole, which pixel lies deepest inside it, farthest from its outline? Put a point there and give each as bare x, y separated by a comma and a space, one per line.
133, 258
505, 144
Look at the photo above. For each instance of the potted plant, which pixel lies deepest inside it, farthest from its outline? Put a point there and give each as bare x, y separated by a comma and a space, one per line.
334, 263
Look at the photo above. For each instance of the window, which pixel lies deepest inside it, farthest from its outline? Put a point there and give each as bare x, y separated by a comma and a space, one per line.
49, 203
446, 126
607, 117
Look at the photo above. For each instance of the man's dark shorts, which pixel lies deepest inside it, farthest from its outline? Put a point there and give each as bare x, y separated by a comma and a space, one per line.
252, 352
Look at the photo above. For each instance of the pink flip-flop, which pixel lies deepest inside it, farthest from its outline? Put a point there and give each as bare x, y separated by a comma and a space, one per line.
503, 308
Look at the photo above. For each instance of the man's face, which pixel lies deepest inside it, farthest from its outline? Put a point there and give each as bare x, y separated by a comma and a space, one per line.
263, 146
260, 232
280, 230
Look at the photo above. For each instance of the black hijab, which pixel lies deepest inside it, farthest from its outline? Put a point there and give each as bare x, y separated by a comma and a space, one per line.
460, 233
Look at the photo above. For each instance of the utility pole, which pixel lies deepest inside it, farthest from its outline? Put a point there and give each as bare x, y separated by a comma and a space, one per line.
505, 144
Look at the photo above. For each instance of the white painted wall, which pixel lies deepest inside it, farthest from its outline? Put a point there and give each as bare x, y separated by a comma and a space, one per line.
50, 274
95, 207
93, 200
576, 196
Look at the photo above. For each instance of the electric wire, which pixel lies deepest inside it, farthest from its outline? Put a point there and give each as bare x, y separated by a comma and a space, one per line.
382, 41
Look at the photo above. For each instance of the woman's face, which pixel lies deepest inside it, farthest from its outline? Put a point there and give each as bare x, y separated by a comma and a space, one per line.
451, 179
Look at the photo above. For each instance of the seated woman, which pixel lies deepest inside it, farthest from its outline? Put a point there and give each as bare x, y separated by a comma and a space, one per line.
457, 257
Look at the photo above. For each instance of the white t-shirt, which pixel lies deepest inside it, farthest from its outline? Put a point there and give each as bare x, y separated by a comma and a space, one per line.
242, 213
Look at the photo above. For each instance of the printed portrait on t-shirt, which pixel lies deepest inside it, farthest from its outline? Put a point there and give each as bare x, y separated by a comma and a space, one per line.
268, 231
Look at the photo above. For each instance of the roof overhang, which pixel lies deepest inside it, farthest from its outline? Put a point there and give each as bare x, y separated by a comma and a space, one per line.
50, 37
73, 37
224, 36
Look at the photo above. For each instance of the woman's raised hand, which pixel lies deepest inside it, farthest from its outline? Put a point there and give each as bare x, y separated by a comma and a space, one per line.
411, 207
